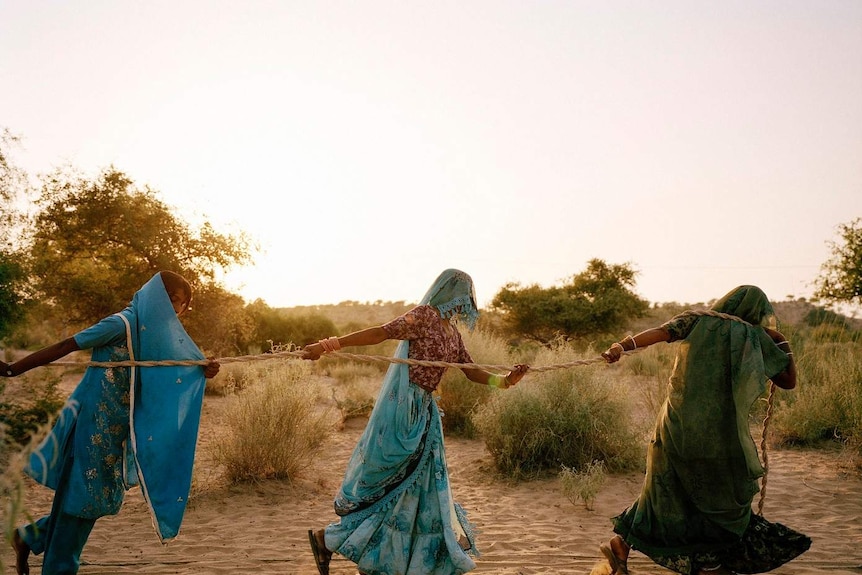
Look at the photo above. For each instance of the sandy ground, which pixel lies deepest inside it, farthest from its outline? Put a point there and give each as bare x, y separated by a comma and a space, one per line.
526, 528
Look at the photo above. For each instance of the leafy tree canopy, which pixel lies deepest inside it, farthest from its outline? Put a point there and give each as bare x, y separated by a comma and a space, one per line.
272, 327
95, 242
218, 321
12, 181
595, 302
12, 300
841, 275
13, 287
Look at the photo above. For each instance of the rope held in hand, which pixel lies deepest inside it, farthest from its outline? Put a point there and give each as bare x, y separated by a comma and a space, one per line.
297, 354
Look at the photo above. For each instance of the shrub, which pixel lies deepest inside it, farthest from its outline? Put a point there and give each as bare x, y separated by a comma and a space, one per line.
357, 387
652, 367
22, 420
273, 427
583, 485
275, 327
827, 403
568, 417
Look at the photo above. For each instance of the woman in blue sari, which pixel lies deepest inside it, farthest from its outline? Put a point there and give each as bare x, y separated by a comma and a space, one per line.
694, 514
395, 503
92, 454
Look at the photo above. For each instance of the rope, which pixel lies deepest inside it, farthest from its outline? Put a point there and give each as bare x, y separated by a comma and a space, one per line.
334, 354
766, 418
297, 354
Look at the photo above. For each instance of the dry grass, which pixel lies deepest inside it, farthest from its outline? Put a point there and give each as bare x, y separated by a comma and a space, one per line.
583, 484
274, 426
358, 386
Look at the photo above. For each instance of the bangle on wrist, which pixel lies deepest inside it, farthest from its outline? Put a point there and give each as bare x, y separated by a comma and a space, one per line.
330, 344
498, 381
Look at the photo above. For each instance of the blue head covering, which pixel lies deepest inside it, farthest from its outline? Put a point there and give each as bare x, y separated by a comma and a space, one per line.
453, 294
165, 405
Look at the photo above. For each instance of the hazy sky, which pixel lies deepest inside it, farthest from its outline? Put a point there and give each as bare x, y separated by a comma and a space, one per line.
369, 145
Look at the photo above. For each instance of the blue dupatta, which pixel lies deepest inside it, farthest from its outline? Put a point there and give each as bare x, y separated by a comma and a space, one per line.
165, 405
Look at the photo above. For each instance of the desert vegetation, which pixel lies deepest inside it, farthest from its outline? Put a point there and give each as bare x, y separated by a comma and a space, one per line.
58, 274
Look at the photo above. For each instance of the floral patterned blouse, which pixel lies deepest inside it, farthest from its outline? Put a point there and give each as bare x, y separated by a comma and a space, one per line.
430, 341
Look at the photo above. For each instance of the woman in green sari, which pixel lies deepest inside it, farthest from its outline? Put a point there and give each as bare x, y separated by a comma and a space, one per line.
694, 514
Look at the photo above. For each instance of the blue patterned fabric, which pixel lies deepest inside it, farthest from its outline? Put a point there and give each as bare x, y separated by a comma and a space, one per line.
395, 503
165, 409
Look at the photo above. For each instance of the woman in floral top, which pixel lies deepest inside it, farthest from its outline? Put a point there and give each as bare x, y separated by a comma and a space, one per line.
395, 503
694, 512
92, 443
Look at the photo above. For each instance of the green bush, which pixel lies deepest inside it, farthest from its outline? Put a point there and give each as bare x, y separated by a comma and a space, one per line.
274, 327
566, 417
274, 427
22, 420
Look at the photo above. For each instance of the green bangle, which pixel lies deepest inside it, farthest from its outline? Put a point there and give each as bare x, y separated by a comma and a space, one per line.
498, 381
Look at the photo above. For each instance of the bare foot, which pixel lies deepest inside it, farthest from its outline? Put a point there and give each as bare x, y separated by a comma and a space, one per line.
22, 554
620, 548
617, 554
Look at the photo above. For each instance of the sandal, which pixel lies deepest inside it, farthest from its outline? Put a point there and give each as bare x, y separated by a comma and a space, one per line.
22, 553
322, 555
618, 566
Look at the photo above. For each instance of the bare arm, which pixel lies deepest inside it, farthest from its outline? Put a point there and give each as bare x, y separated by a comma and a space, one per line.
38, 358
787, 378
487, 378
641, 340
369, 336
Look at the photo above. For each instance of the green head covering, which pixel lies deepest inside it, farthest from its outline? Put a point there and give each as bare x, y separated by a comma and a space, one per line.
748, 303
454, 296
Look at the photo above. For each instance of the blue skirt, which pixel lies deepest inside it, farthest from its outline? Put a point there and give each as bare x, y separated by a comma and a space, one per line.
398, 516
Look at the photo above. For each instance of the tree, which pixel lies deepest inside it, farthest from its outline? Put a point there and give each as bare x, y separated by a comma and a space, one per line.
13, 279
593, 303
841, 275
12, 299
273, 327
12, 181
218, 321
94, 243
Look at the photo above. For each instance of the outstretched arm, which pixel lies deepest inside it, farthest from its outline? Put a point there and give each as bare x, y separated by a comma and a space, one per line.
369, 336
37, 358
633, 342
487, 378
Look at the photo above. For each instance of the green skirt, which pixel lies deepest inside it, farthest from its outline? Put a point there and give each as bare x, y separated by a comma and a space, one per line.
763, 547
